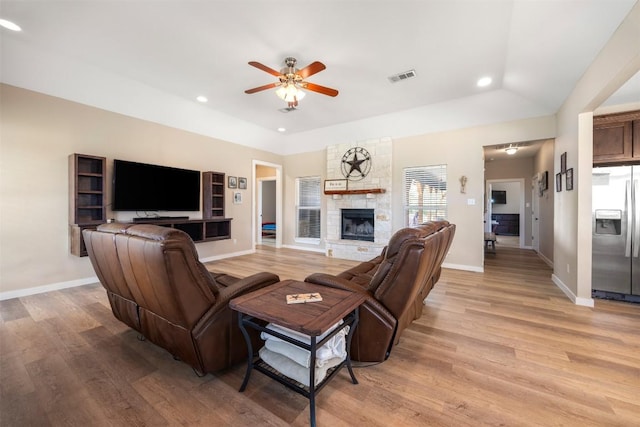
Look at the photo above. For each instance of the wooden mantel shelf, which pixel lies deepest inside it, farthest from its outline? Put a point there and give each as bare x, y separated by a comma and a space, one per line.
363, 191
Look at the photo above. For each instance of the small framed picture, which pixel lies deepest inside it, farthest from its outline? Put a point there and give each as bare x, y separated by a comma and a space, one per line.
563, 162
237, 197
242, 183
569, 179
545, 180
233, 182
335, 184
559, 182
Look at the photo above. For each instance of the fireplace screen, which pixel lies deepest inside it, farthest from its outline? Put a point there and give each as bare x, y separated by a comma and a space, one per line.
358, 224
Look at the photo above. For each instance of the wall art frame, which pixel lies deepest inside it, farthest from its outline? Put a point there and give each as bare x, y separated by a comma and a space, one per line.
242, 183
569, 176
563, 162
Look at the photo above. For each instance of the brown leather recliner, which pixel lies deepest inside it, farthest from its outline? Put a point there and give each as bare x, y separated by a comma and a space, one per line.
395, 285
157, 286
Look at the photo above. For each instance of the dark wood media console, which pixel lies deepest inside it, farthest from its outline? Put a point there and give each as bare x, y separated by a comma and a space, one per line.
200, 230
88, 208
508, 224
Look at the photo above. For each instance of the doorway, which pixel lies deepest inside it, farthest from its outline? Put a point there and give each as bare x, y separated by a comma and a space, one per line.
535, 216
267, 204
506, 211
267, 211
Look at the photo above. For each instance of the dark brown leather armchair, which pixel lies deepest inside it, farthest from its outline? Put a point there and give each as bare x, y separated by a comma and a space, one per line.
157, 286
395, 284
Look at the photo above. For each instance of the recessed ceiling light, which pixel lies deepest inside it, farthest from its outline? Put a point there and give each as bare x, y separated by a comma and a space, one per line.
202, 99
484, 81
282, 130
9, 25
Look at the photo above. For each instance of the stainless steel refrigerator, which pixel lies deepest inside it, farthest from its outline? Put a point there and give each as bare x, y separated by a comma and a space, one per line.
616, 232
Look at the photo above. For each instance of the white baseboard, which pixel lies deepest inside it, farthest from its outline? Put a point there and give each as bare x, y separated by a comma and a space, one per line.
47, 288
87, 281
305, 248
586, 302
229, 255
545, 259
463, 267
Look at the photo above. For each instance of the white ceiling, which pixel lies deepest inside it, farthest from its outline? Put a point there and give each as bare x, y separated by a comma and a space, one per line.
535, 51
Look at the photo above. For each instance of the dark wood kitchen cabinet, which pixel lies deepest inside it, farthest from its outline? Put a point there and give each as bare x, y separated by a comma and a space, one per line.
616, 138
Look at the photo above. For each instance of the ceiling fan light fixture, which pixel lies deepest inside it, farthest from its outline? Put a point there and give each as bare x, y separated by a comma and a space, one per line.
511, 150
290, 93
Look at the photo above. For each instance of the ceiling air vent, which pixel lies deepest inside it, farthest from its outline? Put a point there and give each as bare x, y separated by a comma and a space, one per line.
402, 76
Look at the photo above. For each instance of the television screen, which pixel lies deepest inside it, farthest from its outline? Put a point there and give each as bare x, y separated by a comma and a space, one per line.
145, 187
499, 197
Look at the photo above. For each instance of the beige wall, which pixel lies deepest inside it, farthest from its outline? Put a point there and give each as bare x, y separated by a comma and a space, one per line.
618, 61
37, 135
544, 162
423, 150
514, 197
462, 152
39, 132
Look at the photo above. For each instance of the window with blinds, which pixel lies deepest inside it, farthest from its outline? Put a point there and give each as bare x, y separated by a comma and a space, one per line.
308, 201
425, 194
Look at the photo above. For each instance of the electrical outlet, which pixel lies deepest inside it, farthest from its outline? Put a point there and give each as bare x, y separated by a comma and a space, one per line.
568, 269
235, 241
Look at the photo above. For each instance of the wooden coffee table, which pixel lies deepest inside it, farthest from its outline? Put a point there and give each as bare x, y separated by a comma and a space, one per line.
312, 319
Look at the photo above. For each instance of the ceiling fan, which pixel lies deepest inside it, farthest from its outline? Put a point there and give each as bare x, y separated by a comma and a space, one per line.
292, 80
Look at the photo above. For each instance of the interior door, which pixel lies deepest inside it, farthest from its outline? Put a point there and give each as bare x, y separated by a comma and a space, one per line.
267, 208
488, 226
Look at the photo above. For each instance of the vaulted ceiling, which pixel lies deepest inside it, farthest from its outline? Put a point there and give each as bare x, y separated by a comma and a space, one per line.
161, 55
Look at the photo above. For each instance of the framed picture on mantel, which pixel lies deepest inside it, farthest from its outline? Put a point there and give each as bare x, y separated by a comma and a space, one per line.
335, 184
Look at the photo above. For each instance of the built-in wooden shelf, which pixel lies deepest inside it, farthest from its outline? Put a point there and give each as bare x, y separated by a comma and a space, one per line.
363, 191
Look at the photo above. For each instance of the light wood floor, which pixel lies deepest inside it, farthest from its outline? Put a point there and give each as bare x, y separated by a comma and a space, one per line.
507, 241
503, 348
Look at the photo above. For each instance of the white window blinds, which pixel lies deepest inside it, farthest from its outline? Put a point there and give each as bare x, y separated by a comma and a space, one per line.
308, 203
425, 194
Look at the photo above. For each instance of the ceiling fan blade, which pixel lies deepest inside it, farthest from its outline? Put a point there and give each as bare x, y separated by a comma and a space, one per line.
265, 68
311, 69
265, 87
321, 89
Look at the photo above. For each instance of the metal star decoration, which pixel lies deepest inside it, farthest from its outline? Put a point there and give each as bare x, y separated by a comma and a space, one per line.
356, 163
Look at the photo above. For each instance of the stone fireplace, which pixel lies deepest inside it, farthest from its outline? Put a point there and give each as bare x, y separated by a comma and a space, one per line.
366, 241
357, 224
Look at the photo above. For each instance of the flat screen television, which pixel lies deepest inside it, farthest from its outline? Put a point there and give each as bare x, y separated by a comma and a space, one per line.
145, 187
499, 197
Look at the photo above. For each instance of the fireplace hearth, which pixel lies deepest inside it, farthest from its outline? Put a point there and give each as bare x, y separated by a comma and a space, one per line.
358, 224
